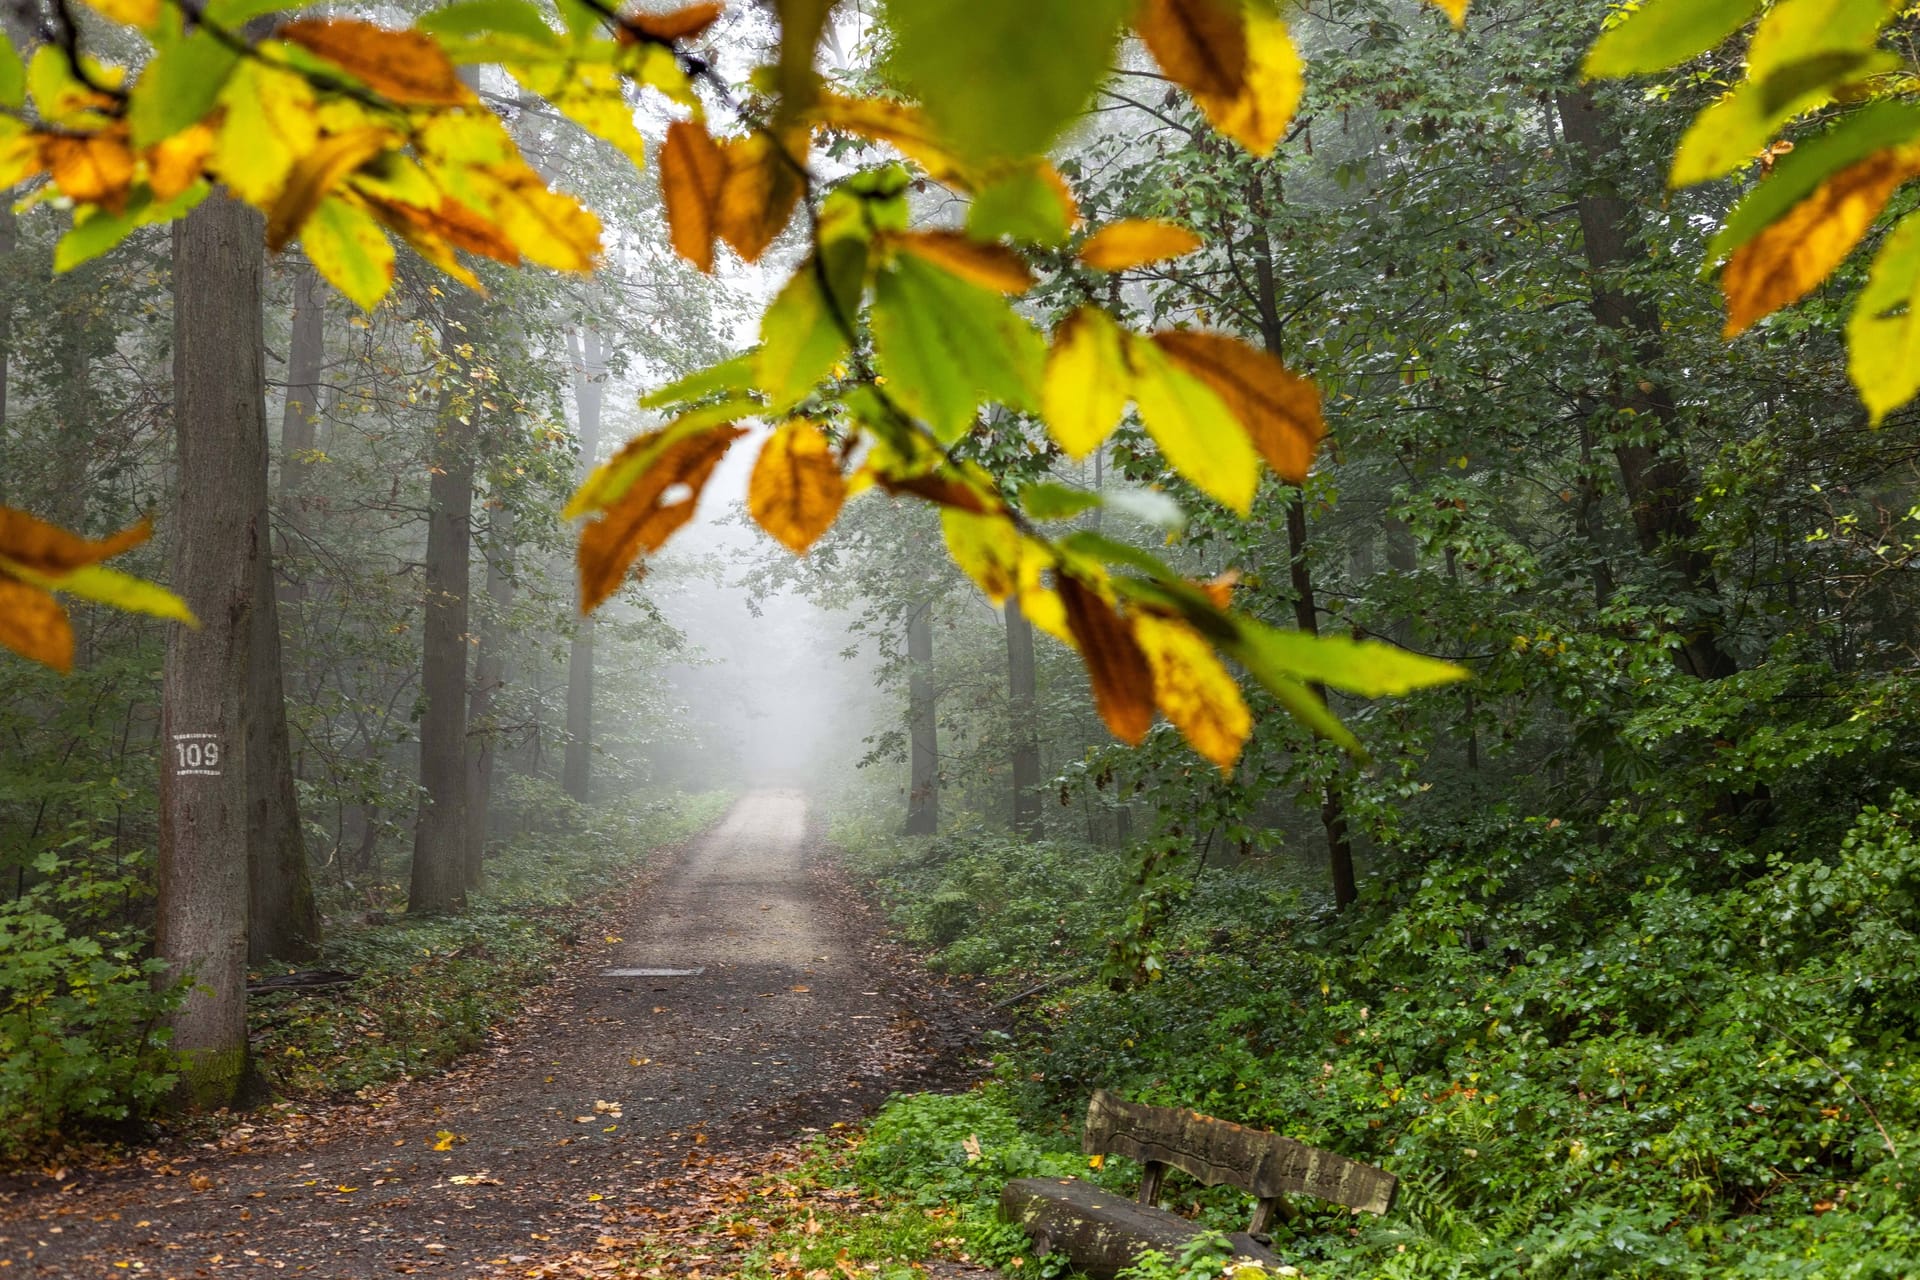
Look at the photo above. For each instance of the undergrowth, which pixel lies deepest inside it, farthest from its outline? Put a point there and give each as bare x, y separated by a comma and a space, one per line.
1579, 1061
428, 990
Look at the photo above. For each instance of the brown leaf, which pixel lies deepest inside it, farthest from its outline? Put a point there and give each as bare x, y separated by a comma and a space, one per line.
52, 552
315, 175
1790, 258
992, 266
760, 188
1134, 242
95, 169
33, 625
452, 222
681, 24
1280, 410
407, 67
801, 22
943, 490
692, 171
1122, 680
797, 489
1200, 44
659, 501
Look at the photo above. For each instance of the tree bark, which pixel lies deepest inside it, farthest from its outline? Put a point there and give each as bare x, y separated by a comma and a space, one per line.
589, 388
489, 674
1655, 478
1026, 740
438, 881
300, 415
220, 546
923, 794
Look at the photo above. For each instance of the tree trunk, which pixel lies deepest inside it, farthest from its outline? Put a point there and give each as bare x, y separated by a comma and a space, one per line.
9, 241
306, 352
589, 387
1655, 478
438, 882
1306, 613
220, 546
283, 921
923, 794
489, 674
1026, 738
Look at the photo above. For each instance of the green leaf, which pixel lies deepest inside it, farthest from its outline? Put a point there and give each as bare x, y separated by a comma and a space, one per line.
945, 345
1022, 206
1734, 130
1194, 429
123, 591
1662, 33
1797, 174
101, 231
233, 14
800, 336
349, 249
1046, 501
489, 17
1883, 334
1099, 547
1797, 30
1303, 705
13, 75
1368, 668
1004, 77
731, 375
179, 87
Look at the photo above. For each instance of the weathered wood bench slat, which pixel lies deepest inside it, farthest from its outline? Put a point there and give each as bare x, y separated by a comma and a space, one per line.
1103, 1233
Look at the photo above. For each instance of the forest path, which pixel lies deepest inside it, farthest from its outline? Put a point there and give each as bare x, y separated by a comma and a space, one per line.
578, 1125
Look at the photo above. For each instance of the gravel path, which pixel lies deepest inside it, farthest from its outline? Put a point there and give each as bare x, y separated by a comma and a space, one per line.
782, 1010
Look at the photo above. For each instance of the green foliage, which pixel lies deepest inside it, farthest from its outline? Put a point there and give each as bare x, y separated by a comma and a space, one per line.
81, 1007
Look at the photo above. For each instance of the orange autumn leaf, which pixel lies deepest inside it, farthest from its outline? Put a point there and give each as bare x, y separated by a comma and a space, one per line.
1279, 409
692, 170
1122, 680
942, 490
408, 67
758, 191
33, 625
660, 500
992, 266
797, 489
681, 24
90, 169
314, 176
1790, 258
1200, 44
450, 221
1134, 242
46, 549
177, 162
1194, 688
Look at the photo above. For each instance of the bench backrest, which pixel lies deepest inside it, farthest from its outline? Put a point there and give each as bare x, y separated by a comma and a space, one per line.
1261, 1163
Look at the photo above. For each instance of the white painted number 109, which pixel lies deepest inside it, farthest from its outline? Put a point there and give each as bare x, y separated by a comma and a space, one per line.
198, 755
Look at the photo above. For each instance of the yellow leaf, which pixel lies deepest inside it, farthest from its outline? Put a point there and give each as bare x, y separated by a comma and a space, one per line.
992, 266
33, 625
692, 169
444, 1140
177, 162
350, 251
1456, 10
1786, 261
987, 549
1135, 242
1279, 409
1194, 688
1193, 427
547, 227
1087, 383
797, 489
121, 590
641, 519
593, 97
314, 176
134, 13
1122, 680
270, 121
407, 67
89, 169
1257, 118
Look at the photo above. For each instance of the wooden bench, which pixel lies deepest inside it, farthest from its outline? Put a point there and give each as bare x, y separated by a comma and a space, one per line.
1102, 1233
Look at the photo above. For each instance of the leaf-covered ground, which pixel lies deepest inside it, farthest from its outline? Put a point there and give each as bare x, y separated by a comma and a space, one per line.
573, 1131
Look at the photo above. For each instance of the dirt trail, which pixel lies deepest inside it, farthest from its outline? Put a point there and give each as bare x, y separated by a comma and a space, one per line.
796, 1014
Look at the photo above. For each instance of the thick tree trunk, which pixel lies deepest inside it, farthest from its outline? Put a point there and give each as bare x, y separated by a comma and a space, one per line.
923, 793
1655, 478
299, 417
589, 388
283, 920
9, 241
438, 882
489, 674
220, 546
1026, 738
